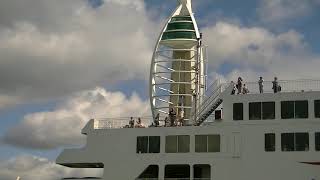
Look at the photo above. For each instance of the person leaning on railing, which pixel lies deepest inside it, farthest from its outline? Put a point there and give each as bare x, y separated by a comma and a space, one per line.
275, 85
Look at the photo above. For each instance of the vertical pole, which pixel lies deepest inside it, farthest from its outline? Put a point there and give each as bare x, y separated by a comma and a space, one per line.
197, 79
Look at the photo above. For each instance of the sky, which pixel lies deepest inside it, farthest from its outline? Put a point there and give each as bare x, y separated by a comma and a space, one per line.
65, 62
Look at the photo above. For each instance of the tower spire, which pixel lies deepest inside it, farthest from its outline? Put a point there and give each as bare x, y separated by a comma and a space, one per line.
187, 3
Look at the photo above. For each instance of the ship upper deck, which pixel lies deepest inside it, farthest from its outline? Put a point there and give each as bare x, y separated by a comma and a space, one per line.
289, 89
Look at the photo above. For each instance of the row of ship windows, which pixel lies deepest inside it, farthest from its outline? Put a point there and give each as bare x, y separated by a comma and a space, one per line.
211, 143
266, 110
291, 142
178, 144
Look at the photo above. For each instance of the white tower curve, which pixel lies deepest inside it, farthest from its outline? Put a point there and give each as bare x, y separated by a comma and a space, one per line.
177, 73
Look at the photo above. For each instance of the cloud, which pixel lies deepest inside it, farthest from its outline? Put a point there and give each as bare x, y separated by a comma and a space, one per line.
62, 126
279, 11
255, 51
31, 168
54, 48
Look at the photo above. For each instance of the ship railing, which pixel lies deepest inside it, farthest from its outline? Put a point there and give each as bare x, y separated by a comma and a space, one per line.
303, 85
118, 123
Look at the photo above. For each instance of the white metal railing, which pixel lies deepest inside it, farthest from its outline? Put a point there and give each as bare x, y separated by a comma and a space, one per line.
303, 85
117, 123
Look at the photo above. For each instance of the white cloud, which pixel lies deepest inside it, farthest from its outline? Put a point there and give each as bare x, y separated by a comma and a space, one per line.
31, 168
279, 11
62, 126
256, 51
54, 48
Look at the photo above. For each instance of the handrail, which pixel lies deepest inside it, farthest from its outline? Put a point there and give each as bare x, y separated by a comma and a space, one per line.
300, 85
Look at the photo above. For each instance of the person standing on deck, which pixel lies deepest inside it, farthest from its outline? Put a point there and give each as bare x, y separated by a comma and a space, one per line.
131, 122
172, 116
260, 82
239, 85
275, 85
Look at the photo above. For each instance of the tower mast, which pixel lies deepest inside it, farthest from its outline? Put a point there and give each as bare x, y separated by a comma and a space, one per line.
177, 73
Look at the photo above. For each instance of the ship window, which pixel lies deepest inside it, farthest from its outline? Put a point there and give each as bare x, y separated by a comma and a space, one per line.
177, 144
154, 144
317, 108
268, 110
149, 144
261, 110
142, 144
270, 142
294, 109
238, 111
287, 109
201, 143
201, 171
255, 110
177, 172
301, 109
317, 141
183, 144
213, 143
301, 142
295, 142
207, 143
151, 171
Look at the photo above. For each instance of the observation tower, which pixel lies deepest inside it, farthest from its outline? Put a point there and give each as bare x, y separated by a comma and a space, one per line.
177, 74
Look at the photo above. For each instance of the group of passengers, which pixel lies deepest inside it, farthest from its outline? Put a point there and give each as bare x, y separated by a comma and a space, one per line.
243, 89
135, 124
173, 119
240, 86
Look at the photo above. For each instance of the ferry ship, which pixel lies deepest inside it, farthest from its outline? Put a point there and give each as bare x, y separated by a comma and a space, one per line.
205, 132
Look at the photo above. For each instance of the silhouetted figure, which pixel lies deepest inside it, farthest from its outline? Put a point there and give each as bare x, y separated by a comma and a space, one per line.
233, 92
239, 85
260, 82
245, 90
172, 116
166, 122
156, 120
275, 85
131, 122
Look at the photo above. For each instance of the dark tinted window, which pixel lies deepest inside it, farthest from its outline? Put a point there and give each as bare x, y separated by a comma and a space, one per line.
171, 144
301, 142
287, 142
201, 171
142, 144
270, 142
301, 109
178, 144
317, 141
317, 108
295, 142
151, 171
213, 143
183, 144
268, 110
237, 111
287, 109
255, 111
177, 172
201, 143
154, 144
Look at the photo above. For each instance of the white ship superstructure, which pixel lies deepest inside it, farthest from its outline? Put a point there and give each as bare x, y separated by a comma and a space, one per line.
226, 136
